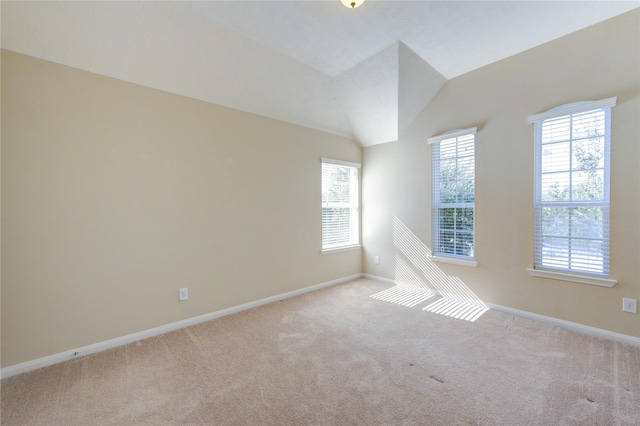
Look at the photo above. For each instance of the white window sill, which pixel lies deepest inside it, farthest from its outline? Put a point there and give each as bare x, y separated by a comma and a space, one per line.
339, 249
584, 279
454, 261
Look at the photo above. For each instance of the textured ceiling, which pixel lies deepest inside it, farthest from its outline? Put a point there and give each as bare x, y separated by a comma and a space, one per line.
364, 73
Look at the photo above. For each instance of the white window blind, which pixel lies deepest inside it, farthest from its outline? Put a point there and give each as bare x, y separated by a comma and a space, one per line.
453, 193
571, 192
340, 204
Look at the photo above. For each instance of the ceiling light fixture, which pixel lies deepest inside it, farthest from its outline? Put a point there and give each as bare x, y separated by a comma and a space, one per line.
352, 4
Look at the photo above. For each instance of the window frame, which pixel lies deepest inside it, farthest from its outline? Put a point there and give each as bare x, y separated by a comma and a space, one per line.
437, 205
354, 207
572, 273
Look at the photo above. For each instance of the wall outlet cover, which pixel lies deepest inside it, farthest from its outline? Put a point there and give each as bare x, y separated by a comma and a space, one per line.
630, 305
184, 294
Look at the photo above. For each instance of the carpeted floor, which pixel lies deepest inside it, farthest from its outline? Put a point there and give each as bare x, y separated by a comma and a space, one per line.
341, 357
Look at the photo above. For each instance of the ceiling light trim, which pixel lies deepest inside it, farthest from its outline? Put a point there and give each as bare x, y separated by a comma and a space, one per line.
351, 4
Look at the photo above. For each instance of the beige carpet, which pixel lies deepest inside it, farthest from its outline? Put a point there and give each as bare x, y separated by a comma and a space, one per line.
341, 357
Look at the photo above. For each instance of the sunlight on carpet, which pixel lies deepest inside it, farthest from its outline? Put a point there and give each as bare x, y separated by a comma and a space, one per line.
446, 306
418, 278
402, 296
457, 309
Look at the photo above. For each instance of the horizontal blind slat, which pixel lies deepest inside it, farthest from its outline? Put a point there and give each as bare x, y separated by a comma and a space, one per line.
453, 195
340, 204
571, 206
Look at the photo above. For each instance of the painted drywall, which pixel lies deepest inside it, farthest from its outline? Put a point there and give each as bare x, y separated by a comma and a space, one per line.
115, 195
598, 62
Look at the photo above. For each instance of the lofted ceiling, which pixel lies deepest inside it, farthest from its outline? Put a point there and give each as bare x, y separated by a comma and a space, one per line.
364, 73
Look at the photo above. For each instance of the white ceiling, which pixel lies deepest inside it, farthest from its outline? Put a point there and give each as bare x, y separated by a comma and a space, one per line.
364, 73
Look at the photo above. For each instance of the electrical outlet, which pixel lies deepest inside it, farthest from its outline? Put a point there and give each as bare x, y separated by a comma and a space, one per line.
630, 305
184, 294
377, 260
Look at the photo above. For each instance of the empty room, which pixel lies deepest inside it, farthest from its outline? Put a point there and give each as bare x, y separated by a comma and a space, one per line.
327, 212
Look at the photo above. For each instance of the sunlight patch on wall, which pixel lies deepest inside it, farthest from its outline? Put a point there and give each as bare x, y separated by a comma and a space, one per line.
406, 277
415, 270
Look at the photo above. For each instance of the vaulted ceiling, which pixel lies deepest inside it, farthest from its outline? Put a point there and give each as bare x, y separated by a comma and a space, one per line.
364, 73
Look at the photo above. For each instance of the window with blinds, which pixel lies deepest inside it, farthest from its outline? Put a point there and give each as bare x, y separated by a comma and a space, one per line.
453, 193
571, 192
340, 204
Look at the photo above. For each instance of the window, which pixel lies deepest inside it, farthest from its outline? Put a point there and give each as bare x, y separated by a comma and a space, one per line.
571, 188
453, 193
340, 205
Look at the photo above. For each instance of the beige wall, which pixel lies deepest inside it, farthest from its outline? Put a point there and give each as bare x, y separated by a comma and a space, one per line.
596, 63
115, 195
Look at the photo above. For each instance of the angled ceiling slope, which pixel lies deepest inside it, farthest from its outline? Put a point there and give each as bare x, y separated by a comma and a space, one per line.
382, 95
363, 73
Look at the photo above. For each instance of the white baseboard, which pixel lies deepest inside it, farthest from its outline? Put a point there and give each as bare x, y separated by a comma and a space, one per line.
580, 328
574, 326
134, 337
24, 367
381, 279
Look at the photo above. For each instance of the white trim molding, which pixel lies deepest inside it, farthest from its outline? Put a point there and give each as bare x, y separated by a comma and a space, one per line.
35, 364
573, 108
579, 328
339, 249
130, 338
452, 134
455, 261
576, 278
340, 162
380, 279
